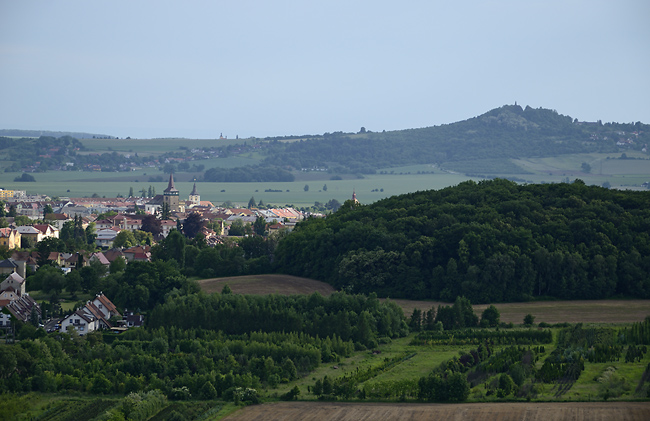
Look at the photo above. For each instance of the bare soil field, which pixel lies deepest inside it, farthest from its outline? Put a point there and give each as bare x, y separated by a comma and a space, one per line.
317, 411
597, 311
267, 284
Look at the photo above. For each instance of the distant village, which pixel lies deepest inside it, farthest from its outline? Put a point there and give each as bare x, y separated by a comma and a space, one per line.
29, 220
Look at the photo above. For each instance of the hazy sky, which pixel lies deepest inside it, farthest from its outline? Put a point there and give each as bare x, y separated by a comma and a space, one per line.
269, 68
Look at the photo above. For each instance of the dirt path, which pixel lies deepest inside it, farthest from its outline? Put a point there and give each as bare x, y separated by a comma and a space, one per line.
318, 411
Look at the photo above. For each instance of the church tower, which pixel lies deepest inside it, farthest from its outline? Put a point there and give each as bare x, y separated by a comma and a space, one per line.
170, 196
195, 197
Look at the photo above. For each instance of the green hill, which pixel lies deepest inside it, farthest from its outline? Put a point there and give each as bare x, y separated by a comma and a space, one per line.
494, 241
498, 135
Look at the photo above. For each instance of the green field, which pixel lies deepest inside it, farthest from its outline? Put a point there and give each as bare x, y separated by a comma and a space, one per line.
605, 168
84, 184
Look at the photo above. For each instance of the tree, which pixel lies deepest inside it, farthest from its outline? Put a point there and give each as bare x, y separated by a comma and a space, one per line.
130, 192
324, 187
143, 238
124, 239
151, 224
306, 188
585, 167
117, 265
47, 246
251, 202
90, 234
73, 281
165, 212
237, 228
193, 224
25, 177
529, 319
490, 317
259, 226
47, 209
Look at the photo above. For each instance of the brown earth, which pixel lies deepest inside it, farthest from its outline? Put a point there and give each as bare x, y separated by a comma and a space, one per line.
267, 284
318, 411
597, 311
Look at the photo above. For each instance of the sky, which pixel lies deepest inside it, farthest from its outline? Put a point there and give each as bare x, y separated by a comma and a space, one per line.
200, 69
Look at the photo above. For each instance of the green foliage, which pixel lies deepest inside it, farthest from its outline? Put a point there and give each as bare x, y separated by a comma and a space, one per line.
529, 319
452, 387
248, 174
491, 241
477, 336
490, 317
25, 177
350, 318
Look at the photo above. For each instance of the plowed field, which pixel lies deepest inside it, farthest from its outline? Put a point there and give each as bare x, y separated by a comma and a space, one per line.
598, 311
318, 411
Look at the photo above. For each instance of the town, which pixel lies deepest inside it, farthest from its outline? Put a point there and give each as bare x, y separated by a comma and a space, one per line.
38, 231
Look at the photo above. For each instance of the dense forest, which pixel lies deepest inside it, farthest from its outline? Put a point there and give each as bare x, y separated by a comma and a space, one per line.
491, 241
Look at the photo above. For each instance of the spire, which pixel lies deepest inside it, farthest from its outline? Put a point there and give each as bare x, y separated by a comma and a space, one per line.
170, 188
194, 192
354, 196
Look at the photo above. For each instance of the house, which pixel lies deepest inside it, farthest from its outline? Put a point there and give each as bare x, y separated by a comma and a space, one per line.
167, 226
81, 321
130, 319
57, 219
106, 236
13, 287
92, 316
23, 260
9, 237
73, 261
138, 254
7, 266
48, 230
154, 205
113, 254
105, 305
30, 233
101, 258
21, 309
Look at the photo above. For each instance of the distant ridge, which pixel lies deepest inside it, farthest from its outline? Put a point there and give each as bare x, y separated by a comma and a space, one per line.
39, 133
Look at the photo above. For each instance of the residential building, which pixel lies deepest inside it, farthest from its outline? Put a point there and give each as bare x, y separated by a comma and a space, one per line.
10, 238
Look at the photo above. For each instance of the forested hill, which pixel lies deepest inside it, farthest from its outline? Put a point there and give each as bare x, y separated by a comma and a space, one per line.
506, 132
489, 241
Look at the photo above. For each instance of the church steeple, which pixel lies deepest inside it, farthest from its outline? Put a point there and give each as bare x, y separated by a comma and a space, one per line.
171, 190
170, 196
354, 196
195, 198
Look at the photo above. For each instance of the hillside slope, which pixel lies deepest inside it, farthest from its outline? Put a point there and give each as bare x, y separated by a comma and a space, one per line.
492, 241
502, 133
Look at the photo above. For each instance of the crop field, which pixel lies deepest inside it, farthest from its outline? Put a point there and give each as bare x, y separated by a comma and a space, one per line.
587, 411
368, 189
596, 311
267, 284
153, 146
